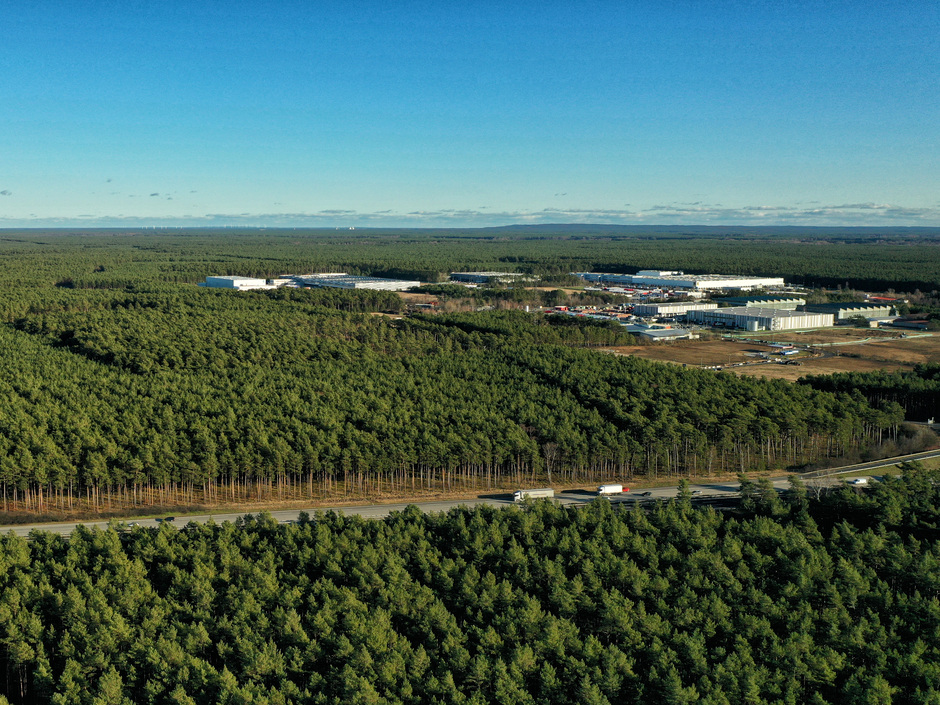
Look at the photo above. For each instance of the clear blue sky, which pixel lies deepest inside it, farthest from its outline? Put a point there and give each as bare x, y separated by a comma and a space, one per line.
480, 113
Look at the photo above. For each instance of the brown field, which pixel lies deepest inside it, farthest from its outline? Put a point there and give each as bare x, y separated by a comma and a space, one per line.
696, 353
826, 335
840, 350
410, 297
908, 351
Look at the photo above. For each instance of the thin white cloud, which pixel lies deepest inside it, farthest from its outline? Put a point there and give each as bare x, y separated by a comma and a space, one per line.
844, 214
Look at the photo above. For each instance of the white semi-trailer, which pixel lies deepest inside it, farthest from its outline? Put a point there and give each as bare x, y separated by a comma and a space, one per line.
533, 494
612, 489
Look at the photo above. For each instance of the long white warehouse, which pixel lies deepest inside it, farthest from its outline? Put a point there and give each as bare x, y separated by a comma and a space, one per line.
655, 278
674, 308
235, 282
760, 318
342, 281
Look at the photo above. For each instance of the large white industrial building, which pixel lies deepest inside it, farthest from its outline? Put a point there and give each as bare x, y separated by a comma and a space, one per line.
755, 319
345, 281
662, 279
236, 282
779, 302
673, 308
485, 277
336, 280
843, 311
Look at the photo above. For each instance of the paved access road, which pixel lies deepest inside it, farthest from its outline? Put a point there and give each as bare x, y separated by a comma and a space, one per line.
874, 464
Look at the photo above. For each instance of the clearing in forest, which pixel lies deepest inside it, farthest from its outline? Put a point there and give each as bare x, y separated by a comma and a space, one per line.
833, 350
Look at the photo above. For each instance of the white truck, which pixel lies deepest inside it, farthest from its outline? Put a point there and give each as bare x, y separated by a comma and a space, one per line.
533, 494
612, 489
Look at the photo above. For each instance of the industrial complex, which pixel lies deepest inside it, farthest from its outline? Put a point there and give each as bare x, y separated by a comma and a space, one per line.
775, 311
648, 315
656, 278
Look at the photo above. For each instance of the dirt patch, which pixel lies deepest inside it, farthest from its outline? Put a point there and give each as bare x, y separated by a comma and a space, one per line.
826, 336
909, 350
816, 366
847, 350
703, 353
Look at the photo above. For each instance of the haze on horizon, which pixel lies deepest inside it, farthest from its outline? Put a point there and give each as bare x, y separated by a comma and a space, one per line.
424, 114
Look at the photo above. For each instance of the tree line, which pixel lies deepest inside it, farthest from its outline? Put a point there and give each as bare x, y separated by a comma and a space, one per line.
916, 391
116, 259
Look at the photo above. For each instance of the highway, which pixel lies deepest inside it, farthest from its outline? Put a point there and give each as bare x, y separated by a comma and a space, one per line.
570, 498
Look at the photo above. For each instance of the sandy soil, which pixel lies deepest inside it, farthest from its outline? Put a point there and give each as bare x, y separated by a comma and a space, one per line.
697, 353
854, 351
826, 335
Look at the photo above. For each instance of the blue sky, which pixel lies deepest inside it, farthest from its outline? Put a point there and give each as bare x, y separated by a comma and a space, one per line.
482, 113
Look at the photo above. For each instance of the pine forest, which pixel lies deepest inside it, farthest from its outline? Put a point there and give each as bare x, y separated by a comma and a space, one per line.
126, 386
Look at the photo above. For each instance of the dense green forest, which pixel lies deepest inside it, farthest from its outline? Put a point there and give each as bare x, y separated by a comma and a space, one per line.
127, 386
904, 260
917, 391
787, 600
132, 399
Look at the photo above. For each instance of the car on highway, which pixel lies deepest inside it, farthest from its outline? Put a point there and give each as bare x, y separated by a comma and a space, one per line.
695, 493
644, 494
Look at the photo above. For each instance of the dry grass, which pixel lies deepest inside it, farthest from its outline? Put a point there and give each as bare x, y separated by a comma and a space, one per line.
415, 298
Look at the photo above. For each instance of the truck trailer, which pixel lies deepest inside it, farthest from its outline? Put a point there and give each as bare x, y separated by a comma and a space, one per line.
520, 495
612, 489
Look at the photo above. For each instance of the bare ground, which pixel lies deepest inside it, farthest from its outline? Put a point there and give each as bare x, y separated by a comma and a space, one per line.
839, 350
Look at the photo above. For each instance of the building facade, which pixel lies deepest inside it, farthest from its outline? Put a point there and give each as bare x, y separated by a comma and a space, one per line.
756, 319
675, 308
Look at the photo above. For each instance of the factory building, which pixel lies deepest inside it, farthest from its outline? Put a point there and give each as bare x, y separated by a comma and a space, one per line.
667, 335
755, 319
659, 332
236, 282
485, 277
662, 279
785, 303
675, 308
842, 311
344, 281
